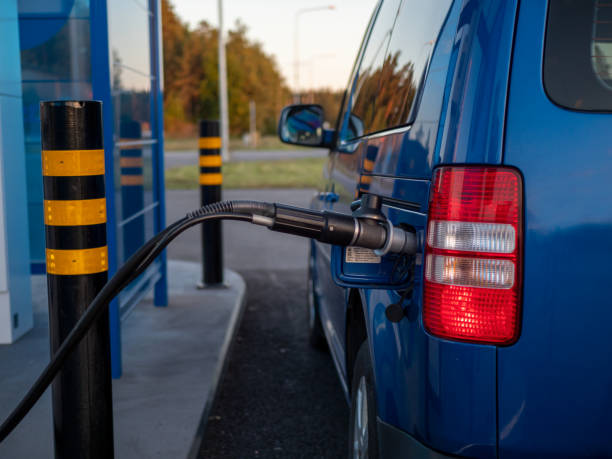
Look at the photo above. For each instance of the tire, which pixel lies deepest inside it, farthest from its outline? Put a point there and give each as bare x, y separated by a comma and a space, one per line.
316, 337
363, 436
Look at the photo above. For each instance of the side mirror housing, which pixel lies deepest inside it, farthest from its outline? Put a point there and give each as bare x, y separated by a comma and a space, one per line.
303, 125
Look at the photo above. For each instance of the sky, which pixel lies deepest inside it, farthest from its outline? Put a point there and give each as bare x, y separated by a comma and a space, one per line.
328, 40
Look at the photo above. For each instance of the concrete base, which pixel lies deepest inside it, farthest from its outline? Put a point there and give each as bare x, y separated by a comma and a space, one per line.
173, 358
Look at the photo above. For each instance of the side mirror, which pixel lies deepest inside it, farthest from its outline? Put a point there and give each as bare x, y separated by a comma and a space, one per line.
303, 125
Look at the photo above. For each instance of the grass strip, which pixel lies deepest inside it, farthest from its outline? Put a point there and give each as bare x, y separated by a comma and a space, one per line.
293, 173
191, 143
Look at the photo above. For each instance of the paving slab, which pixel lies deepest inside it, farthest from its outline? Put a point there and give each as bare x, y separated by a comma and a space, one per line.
172, 359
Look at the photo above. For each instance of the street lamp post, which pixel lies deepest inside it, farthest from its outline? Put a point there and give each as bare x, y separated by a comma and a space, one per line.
296, 50
223, 104
313, 66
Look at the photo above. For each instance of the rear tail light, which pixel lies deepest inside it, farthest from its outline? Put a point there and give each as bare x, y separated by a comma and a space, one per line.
472, 255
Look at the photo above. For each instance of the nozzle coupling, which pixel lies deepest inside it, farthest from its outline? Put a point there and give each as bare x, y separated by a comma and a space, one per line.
340, 229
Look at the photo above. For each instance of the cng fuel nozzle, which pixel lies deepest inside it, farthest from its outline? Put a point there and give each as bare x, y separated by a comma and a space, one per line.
367, 227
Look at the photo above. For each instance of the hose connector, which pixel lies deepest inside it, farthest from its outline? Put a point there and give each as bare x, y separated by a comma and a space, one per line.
398, 241
368, 228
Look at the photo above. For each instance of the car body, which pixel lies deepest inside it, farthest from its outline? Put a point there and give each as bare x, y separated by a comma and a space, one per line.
489, 85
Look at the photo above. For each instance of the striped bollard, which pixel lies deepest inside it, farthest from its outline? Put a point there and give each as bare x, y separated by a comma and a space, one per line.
211, 179
77, 265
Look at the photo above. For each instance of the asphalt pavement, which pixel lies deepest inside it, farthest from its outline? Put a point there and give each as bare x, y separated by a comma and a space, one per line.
189, 157
246, 246
279, 398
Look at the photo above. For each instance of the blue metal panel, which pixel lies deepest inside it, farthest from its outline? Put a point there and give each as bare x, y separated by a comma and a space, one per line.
101, 78
82, 69
8, 10
54, 8
10, 74
159, 195
55, 64
13, 171
135, 87
554, 383
473, 122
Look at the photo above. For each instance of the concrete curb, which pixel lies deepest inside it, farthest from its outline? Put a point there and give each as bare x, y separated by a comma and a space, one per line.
217, 377
174, 361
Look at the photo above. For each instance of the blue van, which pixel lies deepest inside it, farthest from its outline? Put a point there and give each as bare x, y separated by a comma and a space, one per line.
485, 127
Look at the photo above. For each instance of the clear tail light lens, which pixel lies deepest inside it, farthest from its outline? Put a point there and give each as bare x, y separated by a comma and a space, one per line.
472, 237
470, 272
472, 263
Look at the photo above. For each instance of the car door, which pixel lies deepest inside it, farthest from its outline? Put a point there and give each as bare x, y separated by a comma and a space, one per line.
554, 383
418, 377
344, 169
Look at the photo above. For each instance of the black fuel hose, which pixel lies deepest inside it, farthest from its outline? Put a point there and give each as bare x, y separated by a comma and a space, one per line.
325, 226
132, 268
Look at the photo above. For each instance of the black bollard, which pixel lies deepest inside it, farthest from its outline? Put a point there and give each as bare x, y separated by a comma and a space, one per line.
77, 266
211, 179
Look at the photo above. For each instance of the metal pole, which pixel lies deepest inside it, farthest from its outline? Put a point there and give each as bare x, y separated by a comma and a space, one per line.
223, 104
77, 265
211, 179
296, 47
296, 52
253, 123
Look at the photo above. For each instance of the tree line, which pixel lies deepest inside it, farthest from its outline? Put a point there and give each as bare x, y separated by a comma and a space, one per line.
191, 78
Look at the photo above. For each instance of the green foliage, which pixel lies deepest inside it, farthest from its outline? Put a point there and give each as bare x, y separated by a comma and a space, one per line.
191, 76
192, 81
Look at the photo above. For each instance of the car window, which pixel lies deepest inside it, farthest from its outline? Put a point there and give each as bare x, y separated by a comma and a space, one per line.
412, 42
578, 54
364, 88
394, 65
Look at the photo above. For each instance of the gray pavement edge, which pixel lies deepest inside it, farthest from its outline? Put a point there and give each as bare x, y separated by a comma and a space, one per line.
217, 377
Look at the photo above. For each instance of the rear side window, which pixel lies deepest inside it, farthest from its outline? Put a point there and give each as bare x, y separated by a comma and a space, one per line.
414, 37
394, 64
578, 54
367, 83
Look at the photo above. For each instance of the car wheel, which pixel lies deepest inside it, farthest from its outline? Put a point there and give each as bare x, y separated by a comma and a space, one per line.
315, 329
363, 441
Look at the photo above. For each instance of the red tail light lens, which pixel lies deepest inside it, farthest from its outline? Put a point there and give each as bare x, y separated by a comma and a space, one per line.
472, 256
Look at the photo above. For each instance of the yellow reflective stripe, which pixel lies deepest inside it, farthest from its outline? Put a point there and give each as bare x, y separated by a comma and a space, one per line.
209, 142
74, 262
210, 161
211, 179
368, 165
75, 213
72, 163
128, 180
365, 179
134, 161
